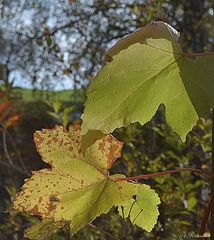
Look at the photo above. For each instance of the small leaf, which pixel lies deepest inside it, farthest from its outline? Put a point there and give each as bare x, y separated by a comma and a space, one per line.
48, 40
53, 114
68, 110
57, 104
77, 188
191, 203
143, 211
12, 120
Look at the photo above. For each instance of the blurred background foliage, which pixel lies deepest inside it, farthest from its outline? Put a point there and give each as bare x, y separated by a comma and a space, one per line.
49, 51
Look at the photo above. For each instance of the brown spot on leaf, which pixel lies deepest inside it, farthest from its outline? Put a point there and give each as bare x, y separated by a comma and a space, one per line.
52, 203
51, 207
55, 139
101, 146
53, 199
34, 210
114, 153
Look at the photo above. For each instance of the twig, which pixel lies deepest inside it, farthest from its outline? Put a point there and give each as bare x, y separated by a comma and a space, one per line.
206, 217
18, 154
147, 176
68, 232
14, 167
4, 134
123, 223
193, 55
212, 183
103, 231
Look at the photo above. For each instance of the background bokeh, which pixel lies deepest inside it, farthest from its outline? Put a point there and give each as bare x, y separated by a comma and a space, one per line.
49, 52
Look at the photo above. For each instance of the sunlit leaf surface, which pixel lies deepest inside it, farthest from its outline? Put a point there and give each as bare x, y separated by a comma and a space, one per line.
147, 69
77, 188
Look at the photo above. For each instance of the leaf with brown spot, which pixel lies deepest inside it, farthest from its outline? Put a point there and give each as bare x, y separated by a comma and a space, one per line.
77, 188
90, 138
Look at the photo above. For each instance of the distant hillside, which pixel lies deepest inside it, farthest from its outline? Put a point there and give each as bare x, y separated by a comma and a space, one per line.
29, 95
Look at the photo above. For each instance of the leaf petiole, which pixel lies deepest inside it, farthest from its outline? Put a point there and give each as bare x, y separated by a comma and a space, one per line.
150, 175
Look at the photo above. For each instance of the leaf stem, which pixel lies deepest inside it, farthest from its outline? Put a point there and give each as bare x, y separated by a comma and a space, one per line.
150, 175
193, 55
212, 183
18, 154
5, 147
210, 208
68, 231
207, 212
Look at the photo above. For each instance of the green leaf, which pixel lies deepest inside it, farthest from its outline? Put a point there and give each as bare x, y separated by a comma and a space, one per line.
48, 40
143, 211
65, 115
57, 104
77, 188
53, 114
42, 230
147, 69
191, 203
68, 110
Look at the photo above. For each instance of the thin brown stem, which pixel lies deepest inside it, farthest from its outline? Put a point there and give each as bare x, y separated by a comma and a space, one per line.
150, 175
193, 55
4, 133
68, 231
14, 167
212, 183
9, 159
207, 212
18, 154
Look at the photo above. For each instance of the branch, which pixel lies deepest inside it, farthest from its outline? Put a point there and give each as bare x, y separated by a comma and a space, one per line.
5, 147
14, 167
194, 55
18, 154
206, 217
10, 161
212, 182
147, 176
